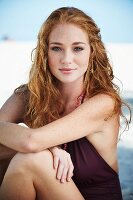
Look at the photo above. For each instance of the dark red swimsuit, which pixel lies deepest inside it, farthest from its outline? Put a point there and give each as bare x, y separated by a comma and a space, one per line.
95, 179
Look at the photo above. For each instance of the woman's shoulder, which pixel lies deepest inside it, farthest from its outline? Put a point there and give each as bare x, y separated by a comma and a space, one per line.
22, 93
22, 89
101, 100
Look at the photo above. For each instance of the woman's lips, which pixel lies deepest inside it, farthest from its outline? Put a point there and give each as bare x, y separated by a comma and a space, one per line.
67, 70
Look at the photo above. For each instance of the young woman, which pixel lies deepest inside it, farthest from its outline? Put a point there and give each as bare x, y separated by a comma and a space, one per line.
72, 109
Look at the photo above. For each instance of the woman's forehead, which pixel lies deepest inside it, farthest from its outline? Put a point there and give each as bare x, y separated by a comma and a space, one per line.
67, 32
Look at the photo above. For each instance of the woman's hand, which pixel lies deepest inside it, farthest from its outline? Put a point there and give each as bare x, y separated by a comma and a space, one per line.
62, 163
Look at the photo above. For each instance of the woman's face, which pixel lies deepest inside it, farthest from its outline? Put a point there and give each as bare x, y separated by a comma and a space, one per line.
68, 52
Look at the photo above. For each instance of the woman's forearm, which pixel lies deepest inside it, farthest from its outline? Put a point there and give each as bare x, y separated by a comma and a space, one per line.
14, 136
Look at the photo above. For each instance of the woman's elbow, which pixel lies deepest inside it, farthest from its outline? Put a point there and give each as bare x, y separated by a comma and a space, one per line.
30, 145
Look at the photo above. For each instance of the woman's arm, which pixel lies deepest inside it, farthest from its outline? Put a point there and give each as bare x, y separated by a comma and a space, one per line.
15, 136
88, 118
11, 111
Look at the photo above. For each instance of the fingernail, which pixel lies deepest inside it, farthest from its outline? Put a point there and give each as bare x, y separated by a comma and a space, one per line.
62, 180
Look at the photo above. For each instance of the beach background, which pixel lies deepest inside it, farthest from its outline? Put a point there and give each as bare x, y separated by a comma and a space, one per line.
20, 23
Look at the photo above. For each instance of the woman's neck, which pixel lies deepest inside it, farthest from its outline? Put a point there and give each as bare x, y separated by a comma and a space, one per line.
70, 93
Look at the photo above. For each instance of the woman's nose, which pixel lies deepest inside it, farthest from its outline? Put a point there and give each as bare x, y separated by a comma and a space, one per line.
67, 57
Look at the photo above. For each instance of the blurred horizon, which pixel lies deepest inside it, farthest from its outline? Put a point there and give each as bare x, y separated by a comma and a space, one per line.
16, 62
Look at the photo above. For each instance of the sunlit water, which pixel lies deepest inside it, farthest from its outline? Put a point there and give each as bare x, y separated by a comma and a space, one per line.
125, 155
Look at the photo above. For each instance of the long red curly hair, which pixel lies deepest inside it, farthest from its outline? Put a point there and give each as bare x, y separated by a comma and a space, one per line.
43, 97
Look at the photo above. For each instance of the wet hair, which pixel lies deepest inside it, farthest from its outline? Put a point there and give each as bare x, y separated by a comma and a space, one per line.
45, 101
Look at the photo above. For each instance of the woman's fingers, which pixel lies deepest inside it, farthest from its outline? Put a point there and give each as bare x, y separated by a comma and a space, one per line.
56, 162
67, 171
60, 171
63, 165
64, 174
70, 170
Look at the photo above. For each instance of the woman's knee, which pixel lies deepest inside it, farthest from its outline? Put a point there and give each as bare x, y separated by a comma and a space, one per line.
32, 161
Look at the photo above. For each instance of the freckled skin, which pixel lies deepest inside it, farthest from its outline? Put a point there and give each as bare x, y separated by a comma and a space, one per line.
68, 53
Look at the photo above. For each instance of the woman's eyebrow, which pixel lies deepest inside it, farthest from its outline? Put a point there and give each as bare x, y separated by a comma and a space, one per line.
75, 43
58, 43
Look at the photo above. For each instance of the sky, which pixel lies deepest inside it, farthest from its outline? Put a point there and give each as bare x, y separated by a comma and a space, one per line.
21, 20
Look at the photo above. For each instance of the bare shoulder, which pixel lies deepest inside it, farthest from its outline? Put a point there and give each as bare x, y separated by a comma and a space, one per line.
101, 104
14, 108
102, 99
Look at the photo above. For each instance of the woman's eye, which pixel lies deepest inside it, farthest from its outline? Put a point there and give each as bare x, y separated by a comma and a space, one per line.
78, 49
56, 48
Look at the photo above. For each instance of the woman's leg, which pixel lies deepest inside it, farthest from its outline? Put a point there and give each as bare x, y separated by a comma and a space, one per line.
31, 176
17, 183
